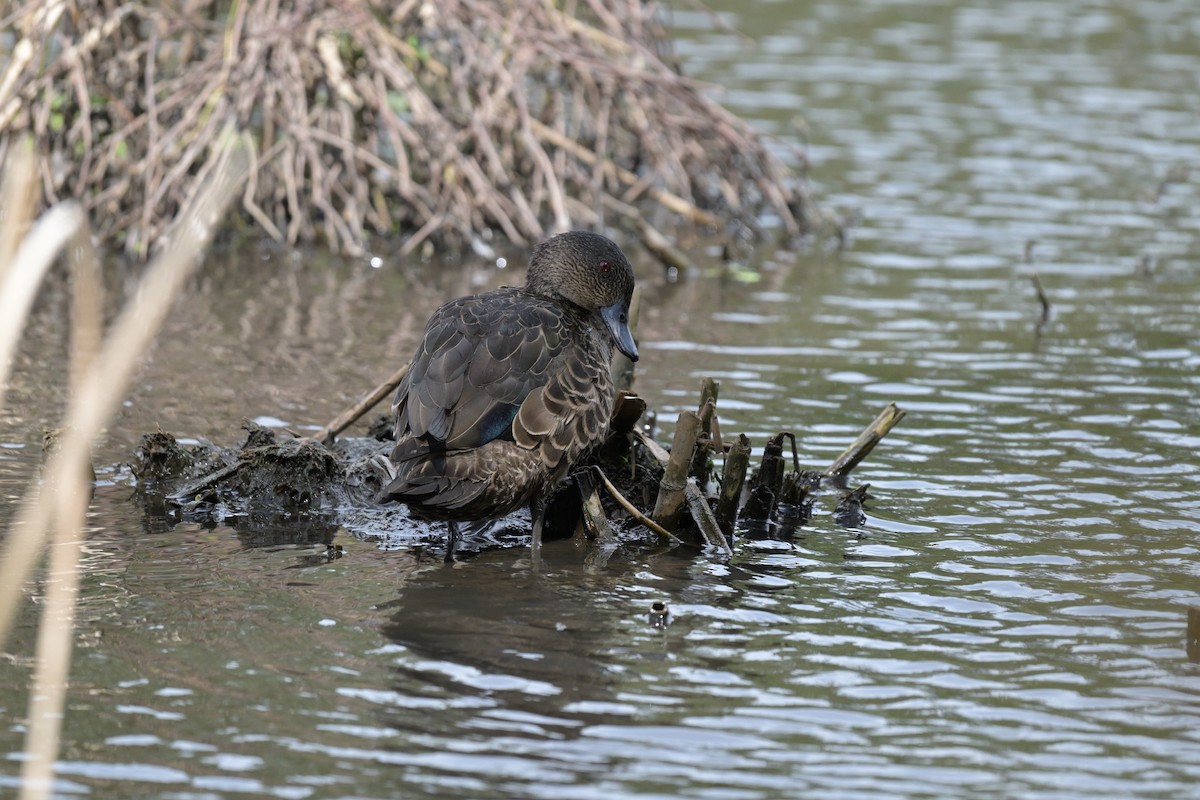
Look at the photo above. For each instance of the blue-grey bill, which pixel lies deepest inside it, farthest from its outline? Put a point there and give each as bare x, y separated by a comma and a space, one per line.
616, 319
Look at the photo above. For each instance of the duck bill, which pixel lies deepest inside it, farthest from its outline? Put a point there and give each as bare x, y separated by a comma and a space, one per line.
616, 319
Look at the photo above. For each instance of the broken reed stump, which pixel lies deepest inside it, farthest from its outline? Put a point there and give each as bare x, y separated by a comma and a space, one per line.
866, 441
705, 446
627, 410
773, 466
734, 477
779, 498
767, 488
674, 480
705, 521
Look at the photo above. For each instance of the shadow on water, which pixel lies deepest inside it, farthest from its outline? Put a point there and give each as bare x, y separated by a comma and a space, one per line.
498, 622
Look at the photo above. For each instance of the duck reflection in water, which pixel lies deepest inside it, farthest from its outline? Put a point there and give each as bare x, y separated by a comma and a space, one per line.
510, 389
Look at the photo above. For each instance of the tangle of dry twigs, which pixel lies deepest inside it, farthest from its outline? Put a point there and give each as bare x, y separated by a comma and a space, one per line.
434, 122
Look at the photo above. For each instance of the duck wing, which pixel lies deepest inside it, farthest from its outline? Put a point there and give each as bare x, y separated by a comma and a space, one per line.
479, 361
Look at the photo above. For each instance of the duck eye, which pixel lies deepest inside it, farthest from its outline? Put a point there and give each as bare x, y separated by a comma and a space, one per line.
605, 266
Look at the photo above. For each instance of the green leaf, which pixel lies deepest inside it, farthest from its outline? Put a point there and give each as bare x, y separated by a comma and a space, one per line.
397, 102
422, 51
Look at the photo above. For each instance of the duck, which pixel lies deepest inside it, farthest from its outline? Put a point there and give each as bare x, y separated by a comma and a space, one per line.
510, 390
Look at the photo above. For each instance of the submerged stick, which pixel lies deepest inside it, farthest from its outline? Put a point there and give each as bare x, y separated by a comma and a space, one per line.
703, 516
669, 503
350, 415
1193, 633
1045, 303
1041, 296
866, 441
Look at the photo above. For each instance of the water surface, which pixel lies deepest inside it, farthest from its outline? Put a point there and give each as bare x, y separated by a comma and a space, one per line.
1008, 622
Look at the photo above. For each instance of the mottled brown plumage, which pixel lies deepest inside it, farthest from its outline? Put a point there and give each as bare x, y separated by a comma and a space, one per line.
510, 389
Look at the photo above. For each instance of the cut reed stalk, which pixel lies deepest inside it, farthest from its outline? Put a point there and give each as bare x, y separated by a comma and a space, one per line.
669, 503
737, 460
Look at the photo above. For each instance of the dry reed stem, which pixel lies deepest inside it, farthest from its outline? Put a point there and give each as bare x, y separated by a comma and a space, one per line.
633, 511
18, 198
733, 478
32, 261
660, 453
87, 304
56, 628
56, 631
593, 512
70, 498
350, 415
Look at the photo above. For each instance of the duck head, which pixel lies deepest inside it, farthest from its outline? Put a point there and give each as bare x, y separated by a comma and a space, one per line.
590, 271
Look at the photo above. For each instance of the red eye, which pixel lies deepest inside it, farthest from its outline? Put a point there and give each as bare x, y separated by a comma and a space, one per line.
605, 266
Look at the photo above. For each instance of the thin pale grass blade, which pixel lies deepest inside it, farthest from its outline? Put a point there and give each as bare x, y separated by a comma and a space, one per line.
99, 392
56, 634
105, 383
56, 628
87, 304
